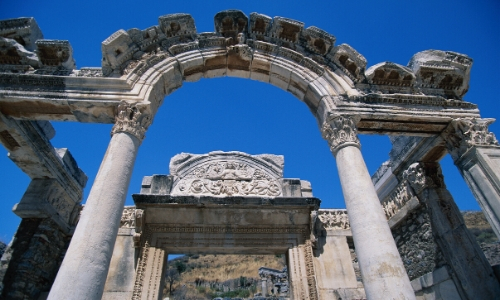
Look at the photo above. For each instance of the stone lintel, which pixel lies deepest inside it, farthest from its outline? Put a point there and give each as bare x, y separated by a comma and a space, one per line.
29, 147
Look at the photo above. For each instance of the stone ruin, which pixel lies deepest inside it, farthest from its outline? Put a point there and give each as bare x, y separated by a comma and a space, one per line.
401, 236
277, 280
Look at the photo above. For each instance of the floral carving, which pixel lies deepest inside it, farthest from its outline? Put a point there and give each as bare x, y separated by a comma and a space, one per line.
228, 178
130, 119
339, 132
463, 134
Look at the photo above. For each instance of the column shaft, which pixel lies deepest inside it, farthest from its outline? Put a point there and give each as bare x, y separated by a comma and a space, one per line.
383, 273
84, 269
475, 152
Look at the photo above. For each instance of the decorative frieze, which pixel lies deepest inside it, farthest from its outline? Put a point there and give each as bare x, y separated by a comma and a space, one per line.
464, 134
340, 131
227, 174
227, 179
130, 119
333, 219
173, 228
397, 199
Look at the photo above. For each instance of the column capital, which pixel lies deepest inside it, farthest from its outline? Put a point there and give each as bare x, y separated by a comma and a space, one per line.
424, 175
340, 131
133, 118
466, 133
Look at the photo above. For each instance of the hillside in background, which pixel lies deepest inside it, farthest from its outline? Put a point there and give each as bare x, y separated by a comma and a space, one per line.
209, 276
481, 229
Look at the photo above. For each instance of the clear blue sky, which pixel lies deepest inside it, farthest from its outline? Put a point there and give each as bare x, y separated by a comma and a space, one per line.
253, 117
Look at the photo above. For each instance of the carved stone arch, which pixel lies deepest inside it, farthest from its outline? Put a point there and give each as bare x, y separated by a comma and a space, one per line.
157, 60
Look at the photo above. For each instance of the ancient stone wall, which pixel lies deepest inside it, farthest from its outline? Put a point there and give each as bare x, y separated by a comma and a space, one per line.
30, 264
416, 245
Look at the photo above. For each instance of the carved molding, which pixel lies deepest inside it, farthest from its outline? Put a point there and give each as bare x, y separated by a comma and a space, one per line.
311, 276
340, 131
141, 270
463, 134
130, 119
226, 229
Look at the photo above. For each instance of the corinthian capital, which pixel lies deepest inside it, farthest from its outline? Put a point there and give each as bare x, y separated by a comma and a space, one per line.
463, 134
340, 131
131, 119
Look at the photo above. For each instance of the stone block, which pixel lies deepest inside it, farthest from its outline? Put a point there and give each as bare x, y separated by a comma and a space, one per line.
230, 23
55, 53
117, 49
260, 25
23, 30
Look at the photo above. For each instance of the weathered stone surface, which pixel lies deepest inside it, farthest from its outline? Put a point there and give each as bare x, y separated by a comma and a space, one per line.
25, 31
32, 260
444, 70
417, 247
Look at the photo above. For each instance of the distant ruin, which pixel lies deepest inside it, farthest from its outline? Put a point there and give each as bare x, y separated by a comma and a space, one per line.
401, 236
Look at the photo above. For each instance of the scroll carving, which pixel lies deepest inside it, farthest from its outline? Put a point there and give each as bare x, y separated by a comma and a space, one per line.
334, 219
228, 178
140, 273
132, 120
339, 132
464, 134
311, 276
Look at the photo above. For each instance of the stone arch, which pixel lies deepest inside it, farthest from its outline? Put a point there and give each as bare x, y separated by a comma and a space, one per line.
278, 51
140, 67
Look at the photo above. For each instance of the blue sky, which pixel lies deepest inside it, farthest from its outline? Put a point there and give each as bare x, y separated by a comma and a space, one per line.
244, 115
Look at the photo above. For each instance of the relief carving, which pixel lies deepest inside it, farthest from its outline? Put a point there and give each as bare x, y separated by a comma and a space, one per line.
340, 131
334, 219
228, 178
128, 218
397, 199
423, 175
131, 120
464, 134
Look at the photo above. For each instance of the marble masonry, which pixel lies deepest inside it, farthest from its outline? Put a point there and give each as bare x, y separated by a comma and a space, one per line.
401, 235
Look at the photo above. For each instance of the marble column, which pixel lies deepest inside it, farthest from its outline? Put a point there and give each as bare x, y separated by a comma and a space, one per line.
476, 153
85, 267
382, 270
471, 271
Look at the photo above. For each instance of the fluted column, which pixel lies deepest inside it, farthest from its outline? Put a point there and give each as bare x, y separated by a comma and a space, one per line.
476, 154
85, 267
383, 272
